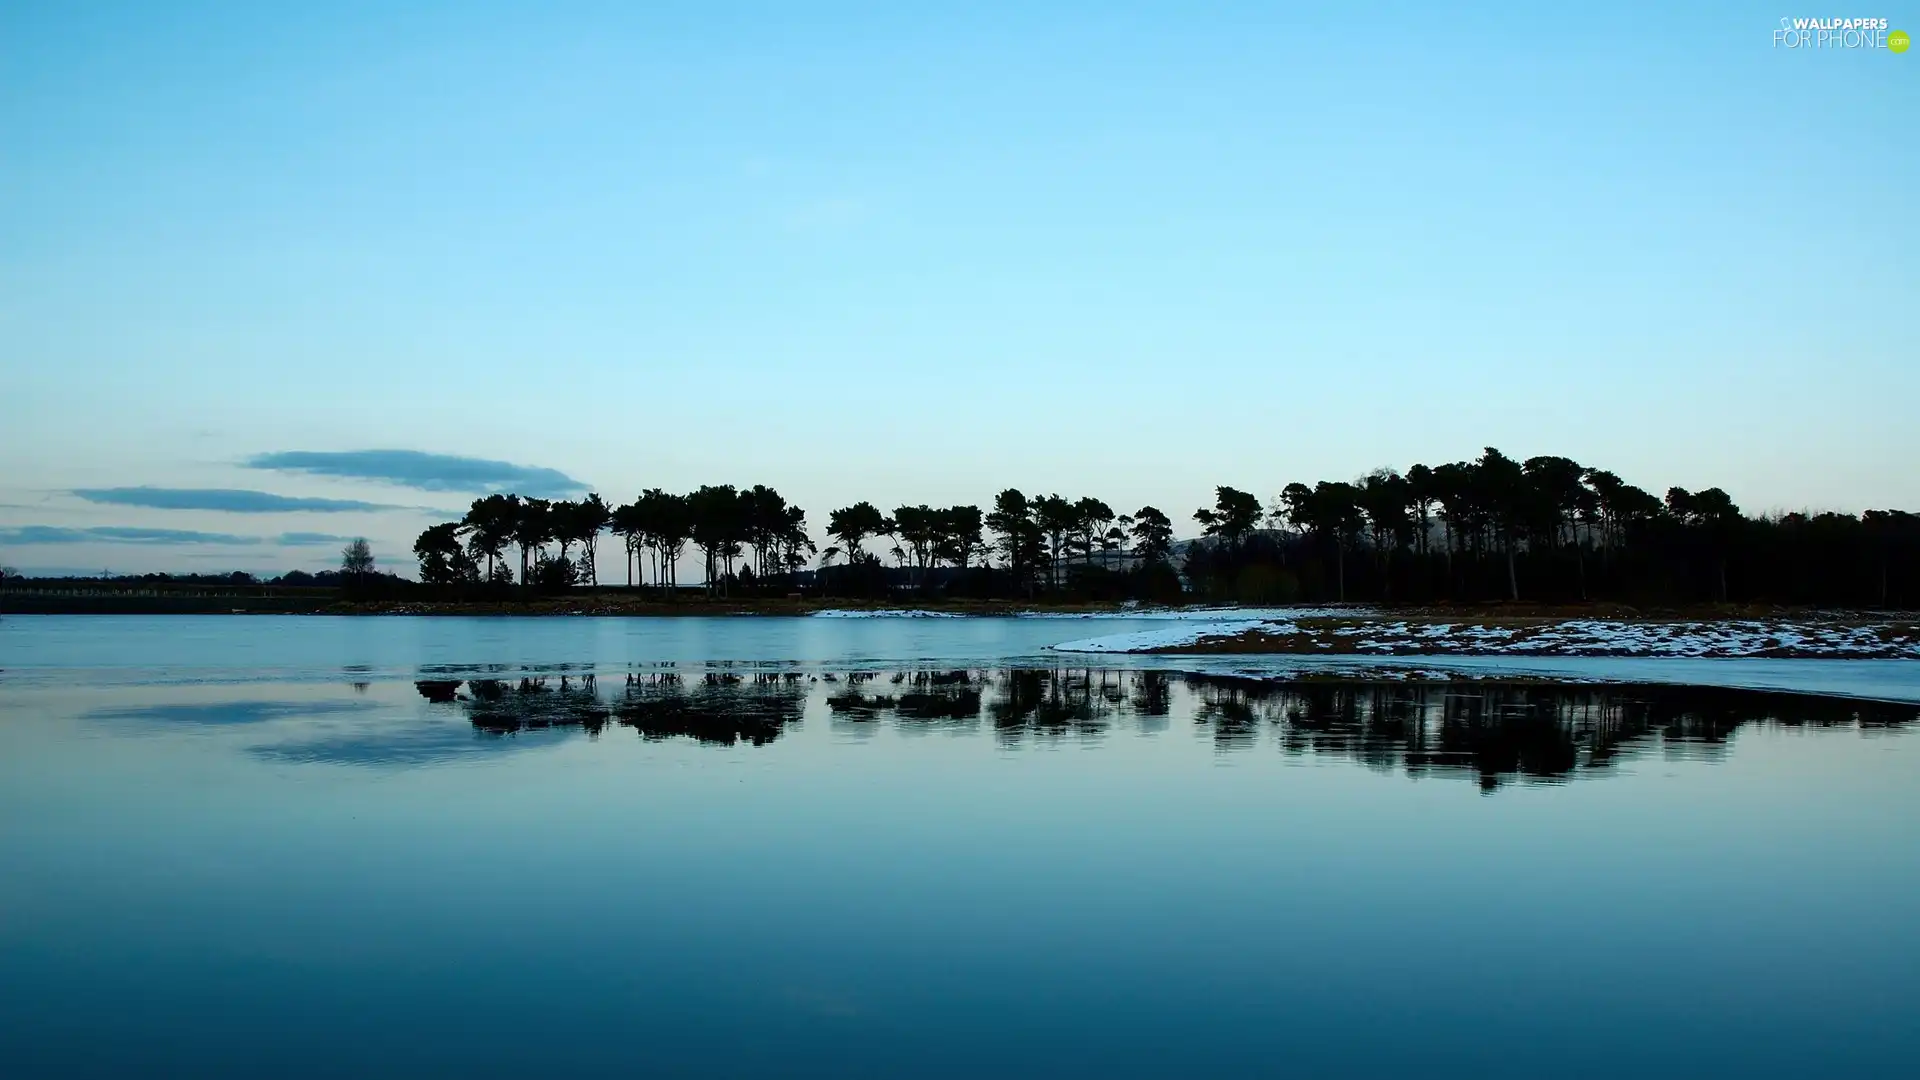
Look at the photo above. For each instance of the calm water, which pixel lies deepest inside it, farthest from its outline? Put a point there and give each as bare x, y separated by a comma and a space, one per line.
748, 847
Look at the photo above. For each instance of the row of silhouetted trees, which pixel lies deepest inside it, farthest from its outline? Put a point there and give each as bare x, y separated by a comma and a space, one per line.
1546, 528
740, 534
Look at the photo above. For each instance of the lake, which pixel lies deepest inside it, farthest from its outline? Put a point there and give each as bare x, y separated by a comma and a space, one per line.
245, 846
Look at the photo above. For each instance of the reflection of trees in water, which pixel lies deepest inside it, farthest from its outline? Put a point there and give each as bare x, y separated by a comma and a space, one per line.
1491, 732
915, 697
916, 701
718, 708
853, 702
1495, 732
941, 698
1050, 704
502, 707
1078, 702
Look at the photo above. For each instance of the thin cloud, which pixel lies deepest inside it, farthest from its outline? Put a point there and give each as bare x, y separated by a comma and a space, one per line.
424, 471
229, 500
25, 535
309, 539
32, 535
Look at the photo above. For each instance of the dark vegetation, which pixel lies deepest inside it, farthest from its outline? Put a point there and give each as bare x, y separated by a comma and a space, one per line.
750, 542
295, 592
1546, 529
357, 578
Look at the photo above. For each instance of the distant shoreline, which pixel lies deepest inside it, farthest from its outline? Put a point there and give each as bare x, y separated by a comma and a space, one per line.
588, 605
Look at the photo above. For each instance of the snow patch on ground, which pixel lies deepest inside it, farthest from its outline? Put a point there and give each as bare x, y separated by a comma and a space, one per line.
1573, 637
1590, 637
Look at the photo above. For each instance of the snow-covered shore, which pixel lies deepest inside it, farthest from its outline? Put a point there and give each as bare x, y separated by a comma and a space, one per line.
1777, 638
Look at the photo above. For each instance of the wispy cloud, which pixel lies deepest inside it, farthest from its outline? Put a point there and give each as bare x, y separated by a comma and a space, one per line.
309, 539
427, 472
115, 534
36, 535
230, 500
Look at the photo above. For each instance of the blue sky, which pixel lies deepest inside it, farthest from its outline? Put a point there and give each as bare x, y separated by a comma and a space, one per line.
902, 254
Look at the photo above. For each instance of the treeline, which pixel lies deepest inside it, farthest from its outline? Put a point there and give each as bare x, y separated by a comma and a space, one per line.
1547, 528
744, 536
752, 540
1020, 547
1491, 528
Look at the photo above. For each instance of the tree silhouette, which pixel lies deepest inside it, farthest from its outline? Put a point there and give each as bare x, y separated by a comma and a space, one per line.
1020, 537
532, 530
670, 519
1057, 520
767, 527
628, 523
959, 534
1888, 532
489, 526
1092, 518
719, 526
1382, 498
790, 540
1712, 518
1330, 511
1233, 515
356, 560
920, 528
1422, 494
853, 525
1152, 535
443, 560
1503, 491
586, 520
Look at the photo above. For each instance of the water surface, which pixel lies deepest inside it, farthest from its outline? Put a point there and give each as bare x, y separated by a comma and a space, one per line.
560, 847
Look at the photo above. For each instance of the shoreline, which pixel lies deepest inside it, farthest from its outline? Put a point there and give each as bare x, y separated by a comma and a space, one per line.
592, 606
1484, 629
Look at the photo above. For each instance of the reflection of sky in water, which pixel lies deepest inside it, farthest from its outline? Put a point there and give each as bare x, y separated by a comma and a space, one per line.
953, 870
426, 743
221, 713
